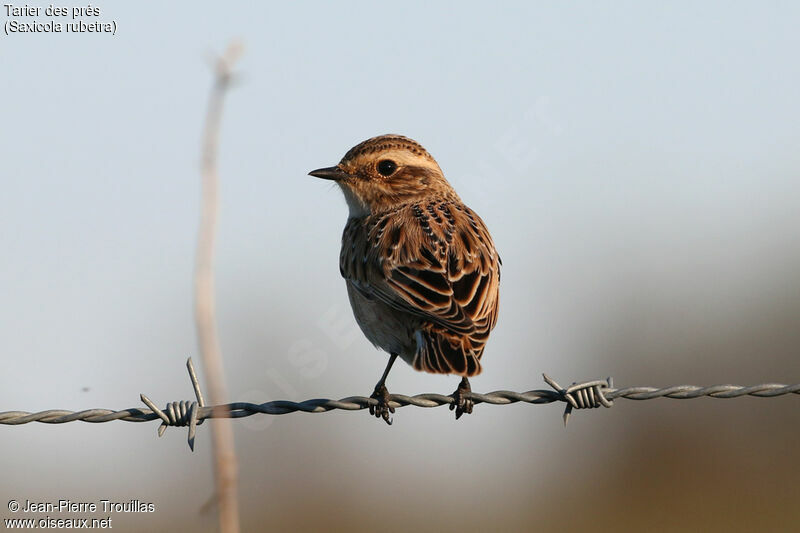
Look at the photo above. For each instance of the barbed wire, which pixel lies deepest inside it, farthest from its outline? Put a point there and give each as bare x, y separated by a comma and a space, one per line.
582, 395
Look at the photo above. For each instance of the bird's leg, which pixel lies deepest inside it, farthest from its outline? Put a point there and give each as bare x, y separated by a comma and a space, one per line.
381, 394
462, 402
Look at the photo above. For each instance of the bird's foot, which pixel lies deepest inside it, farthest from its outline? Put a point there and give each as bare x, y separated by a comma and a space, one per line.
462, 402
383, 409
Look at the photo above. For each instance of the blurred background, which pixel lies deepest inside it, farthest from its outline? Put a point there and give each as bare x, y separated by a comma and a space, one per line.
637, 164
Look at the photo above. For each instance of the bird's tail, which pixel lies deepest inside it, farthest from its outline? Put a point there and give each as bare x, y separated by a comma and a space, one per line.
442, 352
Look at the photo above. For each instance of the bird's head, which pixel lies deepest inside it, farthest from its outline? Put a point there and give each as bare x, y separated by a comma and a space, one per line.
383, 172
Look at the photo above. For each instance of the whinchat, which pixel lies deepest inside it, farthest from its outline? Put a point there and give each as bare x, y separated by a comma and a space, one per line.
421, 269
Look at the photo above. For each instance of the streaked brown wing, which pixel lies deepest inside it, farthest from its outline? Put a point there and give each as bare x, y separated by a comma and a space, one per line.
434, 260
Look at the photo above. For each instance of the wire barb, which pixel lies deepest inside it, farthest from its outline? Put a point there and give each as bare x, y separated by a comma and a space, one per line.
182, 413
585, 395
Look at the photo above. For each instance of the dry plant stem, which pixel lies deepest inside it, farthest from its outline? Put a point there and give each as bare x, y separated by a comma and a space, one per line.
225, 464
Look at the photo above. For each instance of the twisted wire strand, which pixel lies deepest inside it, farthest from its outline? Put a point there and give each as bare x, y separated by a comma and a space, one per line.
583, 395
356, 403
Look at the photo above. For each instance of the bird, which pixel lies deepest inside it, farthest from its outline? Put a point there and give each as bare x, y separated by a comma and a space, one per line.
421, 269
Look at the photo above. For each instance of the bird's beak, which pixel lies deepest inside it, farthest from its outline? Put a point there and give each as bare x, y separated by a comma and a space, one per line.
330, 173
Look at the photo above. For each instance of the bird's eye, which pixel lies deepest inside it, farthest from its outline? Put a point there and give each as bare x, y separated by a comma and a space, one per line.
387, 167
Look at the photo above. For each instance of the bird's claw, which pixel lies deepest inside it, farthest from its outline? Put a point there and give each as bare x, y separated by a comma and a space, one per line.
462, 401
383, 409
